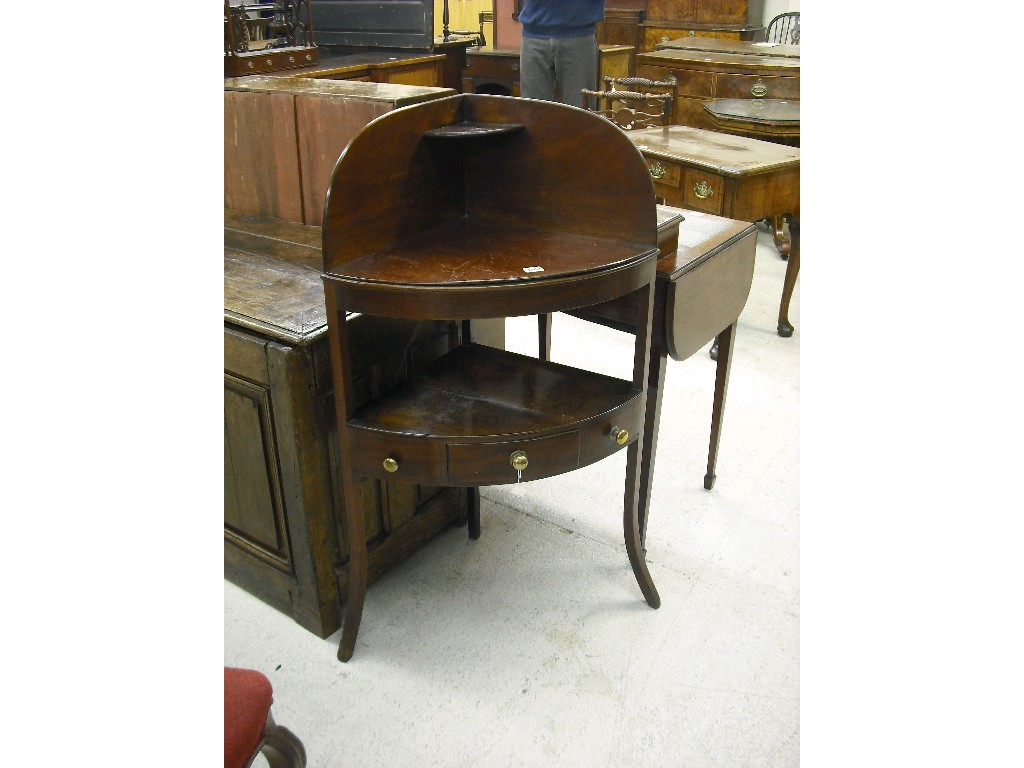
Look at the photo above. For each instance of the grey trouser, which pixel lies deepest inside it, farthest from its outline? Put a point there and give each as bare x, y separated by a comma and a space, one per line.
556, 68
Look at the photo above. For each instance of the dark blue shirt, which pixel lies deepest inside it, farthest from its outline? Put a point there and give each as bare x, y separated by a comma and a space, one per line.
560, 18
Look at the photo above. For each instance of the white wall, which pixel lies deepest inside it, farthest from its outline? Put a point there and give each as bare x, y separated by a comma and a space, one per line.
773, 8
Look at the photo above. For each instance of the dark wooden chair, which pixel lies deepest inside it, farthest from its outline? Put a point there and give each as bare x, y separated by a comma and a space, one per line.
784, 28
486, 17
249, 727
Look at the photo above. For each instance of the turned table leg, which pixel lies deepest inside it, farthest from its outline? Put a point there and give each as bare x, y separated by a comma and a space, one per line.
792, 270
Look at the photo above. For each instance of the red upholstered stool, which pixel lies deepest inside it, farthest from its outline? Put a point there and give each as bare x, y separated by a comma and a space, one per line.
249, 727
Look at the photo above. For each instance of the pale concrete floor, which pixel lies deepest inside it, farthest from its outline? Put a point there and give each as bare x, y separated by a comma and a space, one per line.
533, 645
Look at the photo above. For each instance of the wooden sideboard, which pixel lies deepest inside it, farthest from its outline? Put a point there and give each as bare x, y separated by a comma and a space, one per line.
724, 19
283, 537
495, 71
727, 175
701, 74
399, 68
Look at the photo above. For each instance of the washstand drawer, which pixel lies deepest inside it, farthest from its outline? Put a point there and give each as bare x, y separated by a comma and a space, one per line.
388, 456
491, 463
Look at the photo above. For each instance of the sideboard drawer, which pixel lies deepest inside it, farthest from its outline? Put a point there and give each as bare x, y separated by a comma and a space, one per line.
689, 82
758, 87
663, 172
703, 191
491, 463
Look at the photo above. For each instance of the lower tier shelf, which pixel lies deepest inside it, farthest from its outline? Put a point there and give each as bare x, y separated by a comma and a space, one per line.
450, 424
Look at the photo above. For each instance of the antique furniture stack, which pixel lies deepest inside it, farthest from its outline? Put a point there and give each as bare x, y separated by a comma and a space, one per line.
495, 229
283, 42
704, 69
725, 19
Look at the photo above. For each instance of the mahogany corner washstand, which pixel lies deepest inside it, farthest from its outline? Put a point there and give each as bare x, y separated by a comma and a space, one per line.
480, 206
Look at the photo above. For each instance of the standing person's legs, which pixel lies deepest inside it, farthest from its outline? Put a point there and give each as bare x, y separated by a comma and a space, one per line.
576, 67
536, 69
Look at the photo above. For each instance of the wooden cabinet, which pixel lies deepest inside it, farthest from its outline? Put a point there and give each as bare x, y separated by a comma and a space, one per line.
621, 26
283, 538
725, 19
400, 68
706, 72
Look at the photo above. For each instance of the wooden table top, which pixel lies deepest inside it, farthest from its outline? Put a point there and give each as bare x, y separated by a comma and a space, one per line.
741, 47
720, 153
400, 95
702, 58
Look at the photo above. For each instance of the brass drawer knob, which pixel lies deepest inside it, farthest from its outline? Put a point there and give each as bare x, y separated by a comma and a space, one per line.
702, 190
390, 465
657, 170
518, 461
620, 436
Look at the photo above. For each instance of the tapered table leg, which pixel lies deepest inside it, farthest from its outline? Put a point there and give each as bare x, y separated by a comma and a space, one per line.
792, 270
724, 342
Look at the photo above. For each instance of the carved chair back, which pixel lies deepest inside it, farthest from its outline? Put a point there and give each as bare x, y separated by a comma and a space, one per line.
630, 109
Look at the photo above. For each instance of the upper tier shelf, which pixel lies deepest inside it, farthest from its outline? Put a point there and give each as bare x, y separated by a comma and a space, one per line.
470, 129
490, 251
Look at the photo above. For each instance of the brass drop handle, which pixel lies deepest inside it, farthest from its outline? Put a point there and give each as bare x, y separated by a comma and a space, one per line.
519, 461
702, 190
657, 170
390, 465
620, 436
759, 90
